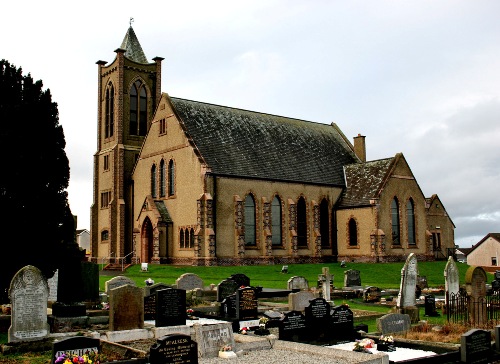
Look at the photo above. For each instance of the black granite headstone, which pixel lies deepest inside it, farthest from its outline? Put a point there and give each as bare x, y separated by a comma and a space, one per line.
430, 305
343, 323
175, 348
228, 307
292, 327
226, 288
90, 277
246, 303
170, 307
150, 307
475, 346
241, 279
318, 319
372, 294
75, 346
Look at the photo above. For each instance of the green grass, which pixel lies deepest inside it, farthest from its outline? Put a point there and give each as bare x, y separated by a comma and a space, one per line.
383, 275
27, 358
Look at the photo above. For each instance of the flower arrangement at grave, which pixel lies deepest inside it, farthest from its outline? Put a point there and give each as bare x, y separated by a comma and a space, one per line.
363, 345
386, 343
243, 330
90, 358
190, 314
262, 330
226, 348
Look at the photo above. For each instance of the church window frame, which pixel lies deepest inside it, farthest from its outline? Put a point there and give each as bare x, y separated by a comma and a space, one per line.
171, 178
162, 178
105, 199
138, 122
105, 235
352, 233
250, 218
277, 221
153, 180
302, 223
411, 227
106, 162
162, 127
109, 111
395, 222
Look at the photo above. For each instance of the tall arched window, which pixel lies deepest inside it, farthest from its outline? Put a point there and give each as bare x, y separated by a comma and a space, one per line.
110, 111
324, 223
181, 239
171, 178
301, 223
396, 229
191, 238
410, 214
353, 232
138, 109
153, 180
186, 238
276, 221
250, 232
162, 178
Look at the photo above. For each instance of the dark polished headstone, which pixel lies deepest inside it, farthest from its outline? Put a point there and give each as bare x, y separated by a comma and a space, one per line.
170, 307
430, 305
75, 346
292, 327
226, 288
318, 319
241, 279
475, 346
343, 323
246, 303
150, 307
90, 277
228, 307
175, 348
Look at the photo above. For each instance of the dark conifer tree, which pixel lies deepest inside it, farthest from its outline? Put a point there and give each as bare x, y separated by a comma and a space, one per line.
33, 179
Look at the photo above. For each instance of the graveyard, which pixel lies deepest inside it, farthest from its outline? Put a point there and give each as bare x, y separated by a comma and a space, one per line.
149, 316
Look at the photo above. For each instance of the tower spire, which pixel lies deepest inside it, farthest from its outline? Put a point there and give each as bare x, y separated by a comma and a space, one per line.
132, 47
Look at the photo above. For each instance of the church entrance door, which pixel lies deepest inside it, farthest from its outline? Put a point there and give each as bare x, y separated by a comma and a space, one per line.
147, 241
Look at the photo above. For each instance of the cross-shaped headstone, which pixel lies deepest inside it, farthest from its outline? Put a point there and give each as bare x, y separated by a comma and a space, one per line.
325, 278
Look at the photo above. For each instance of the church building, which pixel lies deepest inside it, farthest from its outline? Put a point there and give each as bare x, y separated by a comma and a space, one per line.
190, 183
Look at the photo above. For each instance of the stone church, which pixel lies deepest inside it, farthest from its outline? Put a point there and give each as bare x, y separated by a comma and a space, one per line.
185, 182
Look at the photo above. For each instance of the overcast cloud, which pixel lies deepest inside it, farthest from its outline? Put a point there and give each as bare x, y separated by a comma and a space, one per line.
417, 77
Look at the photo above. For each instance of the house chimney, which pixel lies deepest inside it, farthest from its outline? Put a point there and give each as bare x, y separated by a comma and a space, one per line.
360, 147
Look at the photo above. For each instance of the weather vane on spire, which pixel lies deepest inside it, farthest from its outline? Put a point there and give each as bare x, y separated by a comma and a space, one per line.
131, 21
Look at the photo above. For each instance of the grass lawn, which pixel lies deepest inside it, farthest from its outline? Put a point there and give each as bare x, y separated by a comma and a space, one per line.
383, 275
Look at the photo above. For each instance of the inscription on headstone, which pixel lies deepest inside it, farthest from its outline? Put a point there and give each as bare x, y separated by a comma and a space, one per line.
318, 319
409, 273
475, 346
393, 323
452, 279
175, 348
292, 326
150, 307
226, 288
343, 323
211, 338
246, 303
170, 307
116, 282
28, 294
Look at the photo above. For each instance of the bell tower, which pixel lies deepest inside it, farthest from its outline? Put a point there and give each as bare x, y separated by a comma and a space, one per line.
129, 88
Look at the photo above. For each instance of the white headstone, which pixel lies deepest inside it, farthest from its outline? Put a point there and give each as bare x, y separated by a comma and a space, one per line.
326, 279
300, 300
298, 282
409, 273
28, 294
52, 282
451, 278
118, 282
189, 281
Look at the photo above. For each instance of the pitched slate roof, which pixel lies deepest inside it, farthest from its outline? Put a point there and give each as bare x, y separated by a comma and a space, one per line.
133, 49
240, 143
364, 182
162, 209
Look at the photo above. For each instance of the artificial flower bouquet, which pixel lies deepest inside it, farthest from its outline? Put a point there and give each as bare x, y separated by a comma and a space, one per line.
363, 345
386, 343
89, 358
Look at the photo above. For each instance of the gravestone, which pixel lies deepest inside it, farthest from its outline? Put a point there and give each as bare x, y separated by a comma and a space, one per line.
90, 278
475, 346
318, 319
352, 278
297, 283
150, 307
228, 307
409, 273
116, 282
393, 323
451, 279
52, 283
300, 300
343, 323
151, 290
78, 345
28, 294
292, 327
189, 281
430, 306
422, 282
325, 279
174, 348
241, 279
246, 303
475, 283
211, 338
126, 308
372, 294
170, 307
226, 288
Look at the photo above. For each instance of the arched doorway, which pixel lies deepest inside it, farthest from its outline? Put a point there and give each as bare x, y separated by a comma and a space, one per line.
147, 241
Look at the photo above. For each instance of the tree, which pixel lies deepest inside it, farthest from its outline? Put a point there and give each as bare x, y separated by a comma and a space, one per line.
34, 177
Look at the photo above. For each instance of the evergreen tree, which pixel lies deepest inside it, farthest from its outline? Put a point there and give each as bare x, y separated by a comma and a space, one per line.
34, 177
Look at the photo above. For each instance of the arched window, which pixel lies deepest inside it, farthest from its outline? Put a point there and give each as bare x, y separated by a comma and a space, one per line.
410, 214
324, 223
110, 111
153, 180
276, 221
186, 238
301, 223
396, 229
191, 238
353, 232
104, 235
250, 232
162, 178
138, 109
181, 239
171, 178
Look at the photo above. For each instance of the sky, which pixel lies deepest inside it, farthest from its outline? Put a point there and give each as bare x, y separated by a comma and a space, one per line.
417, 77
